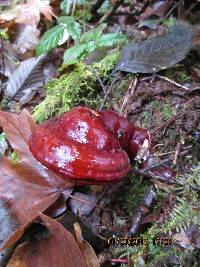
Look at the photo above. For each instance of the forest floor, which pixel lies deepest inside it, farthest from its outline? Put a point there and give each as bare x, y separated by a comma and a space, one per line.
162, 211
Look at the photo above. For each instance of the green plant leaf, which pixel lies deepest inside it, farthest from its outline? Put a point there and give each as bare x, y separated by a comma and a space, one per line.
91, 46
50, 39
66, 5
111, 39
73, 53
71, 26
94, 34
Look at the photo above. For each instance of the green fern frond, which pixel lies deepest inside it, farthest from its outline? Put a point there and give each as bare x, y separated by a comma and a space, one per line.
190, 181
184, 212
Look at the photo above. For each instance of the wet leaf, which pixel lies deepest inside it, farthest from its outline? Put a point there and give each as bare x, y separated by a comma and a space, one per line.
159, 9
26, 187
26, 38
83, 204
73, 53
159, 52
71, 25
29, 13
27, 76
8, 59
111, 39
58, 248
87, 250
3, 144
50, 39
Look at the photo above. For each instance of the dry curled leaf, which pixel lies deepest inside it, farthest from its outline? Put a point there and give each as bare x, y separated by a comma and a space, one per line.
26, 187
159, 9
29, 13
159, 52
57, 248
26, 39
87, 250
27, 76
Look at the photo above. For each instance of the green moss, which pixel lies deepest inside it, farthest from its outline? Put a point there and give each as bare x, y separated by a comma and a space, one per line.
157, 111
135, 189
144, 118
78, 87
179, 72
183, 214
150, 254
107, 64
167, 111
15, 157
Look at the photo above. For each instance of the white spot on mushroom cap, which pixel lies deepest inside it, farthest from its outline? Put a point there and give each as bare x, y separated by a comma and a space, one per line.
143, 152
101, 143
64, 155
80, 133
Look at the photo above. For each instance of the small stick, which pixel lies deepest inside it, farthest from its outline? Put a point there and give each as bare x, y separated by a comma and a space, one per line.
96, 6
167, 122
89, 203
109, 90
156, 165
145, 204
192, 6
174, 83
128, 95
110, 12
178, 147
125, 261
104, 88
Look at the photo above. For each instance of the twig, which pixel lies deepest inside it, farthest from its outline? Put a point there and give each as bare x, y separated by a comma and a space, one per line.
178, 147
168, 13
156, 165
167, 122
192, 6
89, 203
109, 90
104, 88
177, 116
146, 203
171, 10
96, 6
110, 12
125, 261
2, 65
174, 83
73, 7
129, 94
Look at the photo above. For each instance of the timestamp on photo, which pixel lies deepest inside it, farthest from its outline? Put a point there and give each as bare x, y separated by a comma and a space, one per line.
139, 241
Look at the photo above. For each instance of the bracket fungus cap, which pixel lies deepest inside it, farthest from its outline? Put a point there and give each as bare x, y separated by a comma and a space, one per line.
78, 147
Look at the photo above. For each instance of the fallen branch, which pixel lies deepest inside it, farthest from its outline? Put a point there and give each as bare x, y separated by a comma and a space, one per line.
146, 203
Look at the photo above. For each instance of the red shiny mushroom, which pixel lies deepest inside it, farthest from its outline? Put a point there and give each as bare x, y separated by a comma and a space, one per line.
135, 141
79, 147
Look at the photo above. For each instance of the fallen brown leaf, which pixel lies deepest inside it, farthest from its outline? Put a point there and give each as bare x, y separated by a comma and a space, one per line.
26, 187
87, 250
29, 13
159, 52
159, 9
58, 248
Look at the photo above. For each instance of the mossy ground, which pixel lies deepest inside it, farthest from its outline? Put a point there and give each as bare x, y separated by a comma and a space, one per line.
80, 86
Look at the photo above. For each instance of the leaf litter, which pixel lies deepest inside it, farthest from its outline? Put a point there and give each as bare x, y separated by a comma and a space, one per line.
159, 52
58, 241
26, 187
142, 107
